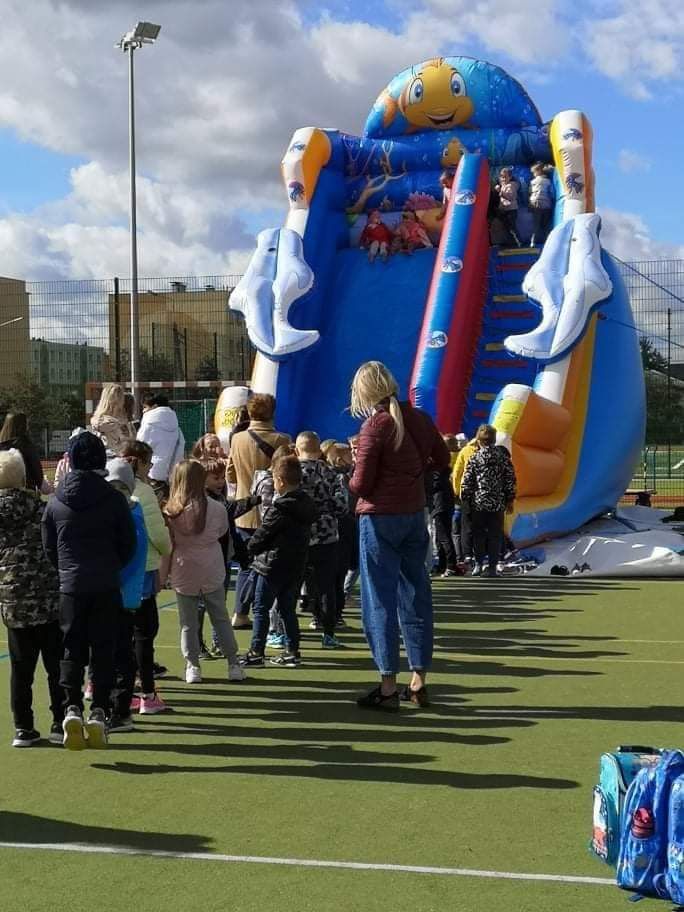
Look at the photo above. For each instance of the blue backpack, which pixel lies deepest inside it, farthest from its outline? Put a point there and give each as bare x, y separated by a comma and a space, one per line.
649, 824
616, 773
670, 884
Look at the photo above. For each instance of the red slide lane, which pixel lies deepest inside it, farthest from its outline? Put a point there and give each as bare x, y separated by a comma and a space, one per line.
466, 321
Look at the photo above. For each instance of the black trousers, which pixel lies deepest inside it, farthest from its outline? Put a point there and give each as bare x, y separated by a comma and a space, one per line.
320, 577
26, 645
124, 665
145, 629
345, 557
89, 622
445, 544
509, 217
456, 535
466, 529
488, 530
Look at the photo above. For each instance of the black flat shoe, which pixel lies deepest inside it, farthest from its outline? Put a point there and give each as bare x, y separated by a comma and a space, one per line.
377, 700
417, 697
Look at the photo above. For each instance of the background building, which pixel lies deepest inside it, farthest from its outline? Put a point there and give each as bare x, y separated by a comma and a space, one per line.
14, 335
185, 334
67, 365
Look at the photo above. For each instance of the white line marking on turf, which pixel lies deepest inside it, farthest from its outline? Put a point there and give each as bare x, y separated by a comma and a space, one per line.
303, 862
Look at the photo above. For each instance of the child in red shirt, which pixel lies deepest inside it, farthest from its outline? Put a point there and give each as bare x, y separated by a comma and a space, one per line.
376, 236
410, 233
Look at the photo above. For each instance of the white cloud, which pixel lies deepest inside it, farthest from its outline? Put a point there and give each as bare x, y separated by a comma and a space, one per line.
222, 90
627, 236
642, 44
630, 161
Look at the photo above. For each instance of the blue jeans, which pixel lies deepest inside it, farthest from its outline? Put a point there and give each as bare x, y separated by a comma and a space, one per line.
264, 597
246, 580
395, 589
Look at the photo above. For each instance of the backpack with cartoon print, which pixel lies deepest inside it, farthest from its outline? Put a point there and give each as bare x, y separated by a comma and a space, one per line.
651, 826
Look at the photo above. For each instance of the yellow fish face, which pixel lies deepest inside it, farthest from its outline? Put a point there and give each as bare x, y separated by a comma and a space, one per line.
436, 97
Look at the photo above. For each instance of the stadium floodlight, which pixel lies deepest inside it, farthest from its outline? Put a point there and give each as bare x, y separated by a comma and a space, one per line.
143, 33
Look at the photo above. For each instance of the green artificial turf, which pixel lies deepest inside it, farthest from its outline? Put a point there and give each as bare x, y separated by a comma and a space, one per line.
532, 680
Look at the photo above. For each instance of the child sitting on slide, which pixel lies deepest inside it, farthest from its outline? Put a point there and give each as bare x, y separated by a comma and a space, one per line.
410, 233
376, 236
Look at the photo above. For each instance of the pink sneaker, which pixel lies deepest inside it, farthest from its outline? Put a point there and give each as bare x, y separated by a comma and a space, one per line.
151, 704
135, 705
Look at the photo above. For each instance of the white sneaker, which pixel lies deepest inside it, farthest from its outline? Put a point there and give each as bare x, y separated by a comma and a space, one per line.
500, 567
236, 673
476, 571
193, 675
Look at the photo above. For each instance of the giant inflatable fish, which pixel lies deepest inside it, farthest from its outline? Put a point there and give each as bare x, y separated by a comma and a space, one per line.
535, 340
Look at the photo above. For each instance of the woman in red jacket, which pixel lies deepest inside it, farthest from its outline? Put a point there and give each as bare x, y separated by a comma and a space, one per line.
396, 445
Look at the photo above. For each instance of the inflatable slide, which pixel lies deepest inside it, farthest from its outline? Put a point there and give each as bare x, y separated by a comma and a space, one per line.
535, 340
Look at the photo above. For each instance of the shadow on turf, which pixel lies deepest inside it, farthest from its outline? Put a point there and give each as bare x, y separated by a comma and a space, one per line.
402, 775
18, 827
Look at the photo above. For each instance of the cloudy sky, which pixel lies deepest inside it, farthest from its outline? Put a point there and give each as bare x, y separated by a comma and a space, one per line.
229, 80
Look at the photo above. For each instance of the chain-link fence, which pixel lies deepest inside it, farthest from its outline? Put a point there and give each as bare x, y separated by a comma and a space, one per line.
58, 337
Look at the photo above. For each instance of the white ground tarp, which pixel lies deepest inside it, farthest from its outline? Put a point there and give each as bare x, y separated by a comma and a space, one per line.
633, 542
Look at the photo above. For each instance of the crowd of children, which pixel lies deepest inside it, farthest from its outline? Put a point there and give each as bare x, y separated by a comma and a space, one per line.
79, 575
506, 195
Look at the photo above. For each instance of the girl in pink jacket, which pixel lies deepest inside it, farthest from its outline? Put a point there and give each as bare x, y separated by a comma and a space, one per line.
507, 189
198, 567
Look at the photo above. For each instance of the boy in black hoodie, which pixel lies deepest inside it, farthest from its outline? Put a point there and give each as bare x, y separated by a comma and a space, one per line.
89, 535
279, 548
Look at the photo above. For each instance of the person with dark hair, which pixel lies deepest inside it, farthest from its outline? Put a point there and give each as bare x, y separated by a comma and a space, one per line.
279, 549
251, 450
89, 535
15, 436
160, 429
489, 488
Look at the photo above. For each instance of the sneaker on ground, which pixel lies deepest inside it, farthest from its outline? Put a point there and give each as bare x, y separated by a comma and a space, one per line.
500, 567
56, 735
88, 692
476, 570
25, 737
330, 642
204, 653
159, 670
118, 724
193, 675
74, 736
287, 660
96, 728
276, 641
216, 651
236, 673
252, 660
449, 573
135, 704
151, 704
313, 624
341, 624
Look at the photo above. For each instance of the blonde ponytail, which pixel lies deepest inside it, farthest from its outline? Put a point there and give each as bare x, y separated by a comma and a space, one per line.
395, 412
373, 383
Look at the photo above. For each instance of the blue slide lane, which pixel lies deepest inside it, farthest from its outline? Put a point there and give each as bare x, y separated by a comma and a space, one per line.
370, 311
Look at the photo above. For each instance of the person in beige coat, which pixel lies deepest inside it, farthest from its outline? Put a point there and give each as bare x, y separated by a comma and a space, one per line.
250, 451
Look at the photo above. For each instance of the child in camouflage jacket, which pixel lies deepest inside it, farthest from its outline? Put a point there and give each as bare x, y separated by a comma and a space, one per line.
29, 601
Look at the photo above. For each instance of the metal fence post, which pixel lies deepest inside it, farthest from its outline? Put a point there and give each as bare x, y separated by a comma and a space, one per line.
117, 332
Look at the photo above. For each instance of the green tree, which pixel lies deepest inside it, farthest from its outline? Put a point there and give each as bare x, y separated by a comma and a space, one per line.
157, 368
207, 369
651, 358
664, 411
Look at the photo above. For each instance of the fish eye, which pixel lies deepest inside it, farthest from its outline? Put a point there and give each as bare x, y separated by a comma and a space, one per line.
416, 91
457, 84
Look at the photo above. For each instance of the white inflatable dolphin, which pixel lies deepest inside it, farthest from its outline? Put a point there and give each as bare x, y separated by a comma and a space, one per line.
276, 277
568, 280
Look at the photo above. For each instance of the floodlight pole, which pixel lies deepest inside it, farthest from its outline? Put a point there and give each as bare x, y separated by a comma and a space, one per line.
133, 297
